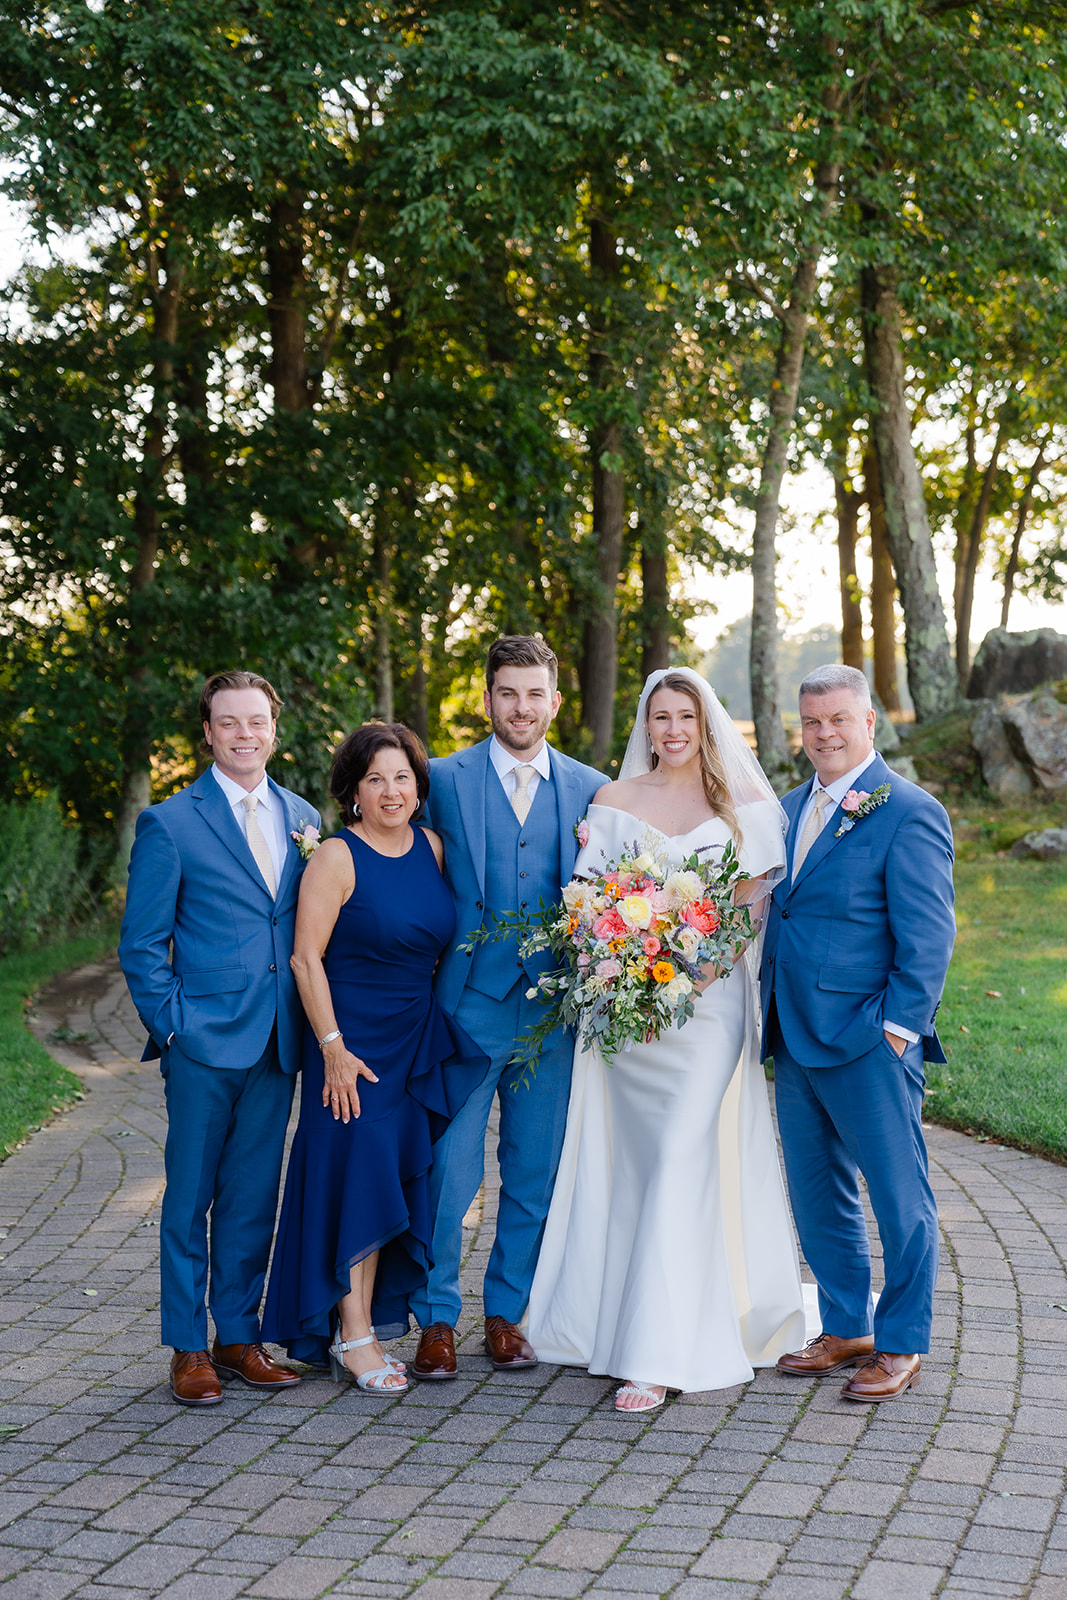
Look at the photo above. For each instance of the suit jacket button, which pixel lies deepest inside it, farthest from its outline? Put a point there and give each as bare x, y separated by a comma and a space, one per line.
522, 844
273, 968
477, 905
274, 922
522, 874
784, 915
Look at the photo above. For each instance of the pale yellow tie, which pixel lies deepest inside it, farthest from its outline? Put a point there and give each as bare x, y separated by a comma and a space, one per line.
522, 800
257, 843
812, 828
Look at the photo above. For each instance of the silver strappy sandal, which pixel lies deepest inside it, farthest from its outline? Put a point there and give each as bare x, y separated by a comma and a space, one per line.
374, 1382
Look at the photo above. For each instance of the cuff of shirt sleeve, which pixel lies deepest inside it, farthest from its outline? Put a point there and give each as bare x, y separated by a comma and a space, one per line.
900, 1033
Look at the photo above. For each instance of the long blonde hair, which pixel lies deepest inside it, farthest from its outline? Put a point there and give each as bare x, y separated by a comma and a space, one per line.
711, 768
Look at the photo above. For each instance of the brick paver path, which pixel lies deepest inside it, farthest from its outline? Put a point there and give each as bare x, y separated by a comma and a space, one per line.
504, 1485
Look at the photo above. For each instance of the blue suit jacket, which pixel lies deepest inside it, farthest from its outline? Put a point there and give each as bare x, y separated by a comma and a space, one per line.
193, 882
456, 810
865, 932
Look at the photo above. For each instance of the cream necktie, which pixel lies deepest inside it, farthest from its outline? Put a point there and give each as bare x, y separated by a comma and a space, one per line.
257, 843
812, 828
522, 800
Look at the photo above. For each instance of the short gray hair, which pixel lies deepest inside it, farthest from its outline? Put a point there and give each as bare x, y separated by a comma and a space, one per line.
834, 675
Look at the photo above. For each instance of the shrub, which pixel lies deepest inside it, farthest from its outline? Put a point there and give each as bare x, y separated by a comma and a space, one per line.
43, 887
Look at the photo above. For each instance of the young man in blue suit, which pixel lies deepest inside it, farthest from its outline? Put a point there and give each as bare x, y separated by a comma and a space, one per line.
507, 811
214, 874
859, 937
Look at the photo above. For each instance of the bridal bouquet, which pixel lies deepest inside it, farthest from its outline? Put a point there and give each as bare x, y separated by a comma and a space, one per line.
630, 944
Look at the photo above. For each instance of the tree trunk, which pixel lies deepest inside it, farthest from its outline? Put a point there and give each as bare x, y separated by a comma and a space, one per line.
883, 590
1012, 568
976, 533
771, 743
381, 612
848, 513
931, 677
418, 717
655, 603
167, 278
600, 652
286, 311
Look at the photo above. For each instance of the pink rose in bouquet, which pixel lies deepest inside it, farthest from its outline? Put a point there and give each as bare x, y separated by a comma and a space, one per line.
703, 915
609, 925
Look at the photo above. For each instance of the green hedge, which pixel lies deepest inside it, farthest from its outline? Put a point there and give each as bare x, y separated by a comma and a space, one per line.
44, 887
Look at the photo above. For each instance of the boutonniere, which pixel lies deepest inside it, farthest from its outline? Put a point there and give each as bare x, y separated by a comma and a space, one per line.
307, 840
581, 832
858, 804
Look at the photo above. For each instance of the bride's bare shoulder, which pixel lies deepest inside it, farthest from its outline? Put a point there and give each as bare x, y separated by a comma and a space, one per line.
619, 796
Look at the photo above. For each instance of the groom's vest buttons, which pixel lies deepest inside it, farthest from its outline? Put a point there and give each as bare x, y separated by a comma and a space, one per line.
496, 966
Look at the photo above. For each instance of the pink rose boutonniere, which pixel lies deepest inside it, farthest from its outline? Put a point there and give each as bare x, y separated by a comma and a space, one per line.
307, 840
858, 804
581, 832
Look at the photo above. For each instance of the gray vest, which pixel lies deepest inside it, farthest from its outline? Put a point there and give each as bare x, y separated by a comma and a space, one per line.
522, 867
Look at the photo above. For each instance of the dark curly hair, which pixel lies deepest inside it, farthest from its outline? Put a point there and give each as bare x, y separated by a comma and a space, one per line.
353, 758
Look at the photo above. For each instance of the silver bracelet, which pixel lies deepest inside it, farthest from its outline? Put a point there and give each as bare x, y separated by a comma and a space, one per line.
328, 1038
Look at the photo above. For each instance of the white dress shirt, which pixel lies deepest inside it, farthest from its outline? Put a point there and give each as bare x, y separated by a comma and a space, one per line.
837, 792
270, 814
504, 764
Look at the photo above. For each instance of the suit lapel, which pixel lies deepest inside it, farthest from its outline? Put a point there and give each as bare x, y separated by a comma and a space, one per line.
877, 773
471, 776
213, 806
292, 825
794, 804
568, 805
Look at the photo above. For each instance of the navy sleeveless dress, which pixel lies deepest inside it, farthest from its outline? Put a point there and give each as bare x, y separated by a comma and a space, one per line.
351, 1190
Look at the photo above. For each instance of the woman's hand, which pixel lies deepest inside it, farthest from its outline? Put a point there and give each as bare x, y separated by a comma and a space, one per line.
343, 1070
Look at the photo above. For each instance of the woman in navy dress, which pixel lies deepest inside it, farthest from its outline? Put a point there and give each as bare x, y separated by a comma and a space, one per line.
384, 1070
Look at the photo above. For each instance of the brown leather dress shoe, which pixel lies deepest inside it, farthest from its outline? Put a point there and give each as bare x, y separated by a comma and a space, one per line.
826, 1353
436, 1355
193, 1380
882, 1377
507, 1345
252, 1364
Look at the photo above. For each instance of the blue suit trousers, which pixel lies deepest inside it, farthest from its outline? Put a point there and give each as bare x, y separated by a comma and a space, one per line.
533, 1120
837, 1122
225, 1142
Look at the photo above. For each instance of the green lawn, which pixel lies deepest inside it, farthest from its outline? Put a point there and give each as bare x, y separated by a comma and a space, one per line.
1003, 1020
33, 1087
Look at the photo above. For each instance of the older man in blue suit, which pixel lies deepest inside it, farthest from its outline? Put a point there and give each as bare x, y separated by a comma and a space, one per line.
206, 941
859, 938
507, 812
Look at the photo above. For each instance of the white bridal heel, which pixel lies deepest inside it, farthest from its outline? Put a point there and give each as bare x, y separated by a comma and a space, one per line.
372, 1382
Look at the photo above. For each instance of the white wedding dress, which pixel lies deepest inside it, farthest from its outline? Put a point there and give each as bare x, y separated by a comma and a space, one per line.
669, 1255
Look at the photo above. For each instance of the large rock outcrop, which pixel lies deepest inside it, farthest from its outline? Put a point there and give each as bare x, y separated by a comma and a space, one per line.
1022, 742
1045, 844
1012, 663
1036, 726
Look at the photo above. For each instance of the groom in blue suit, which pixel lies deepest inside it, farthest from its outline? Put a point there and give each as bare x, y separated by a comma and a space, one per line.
205, 947
507, 811
859, 937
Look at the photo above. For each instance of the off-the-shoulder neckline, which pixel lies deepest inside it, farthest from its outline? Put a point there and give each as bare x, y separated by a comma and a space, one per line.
620, 812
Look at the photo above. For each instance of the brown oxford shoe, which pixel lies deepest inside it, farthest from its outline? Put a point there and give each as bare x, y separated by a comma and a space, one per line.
193, 1380
826, 1353
436, 1355
252, 1364
882, 1377
507, 1345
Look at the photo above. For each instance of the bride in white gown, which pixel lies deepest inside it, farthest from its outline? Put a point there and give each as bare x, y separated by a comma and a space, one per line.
668, 1257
